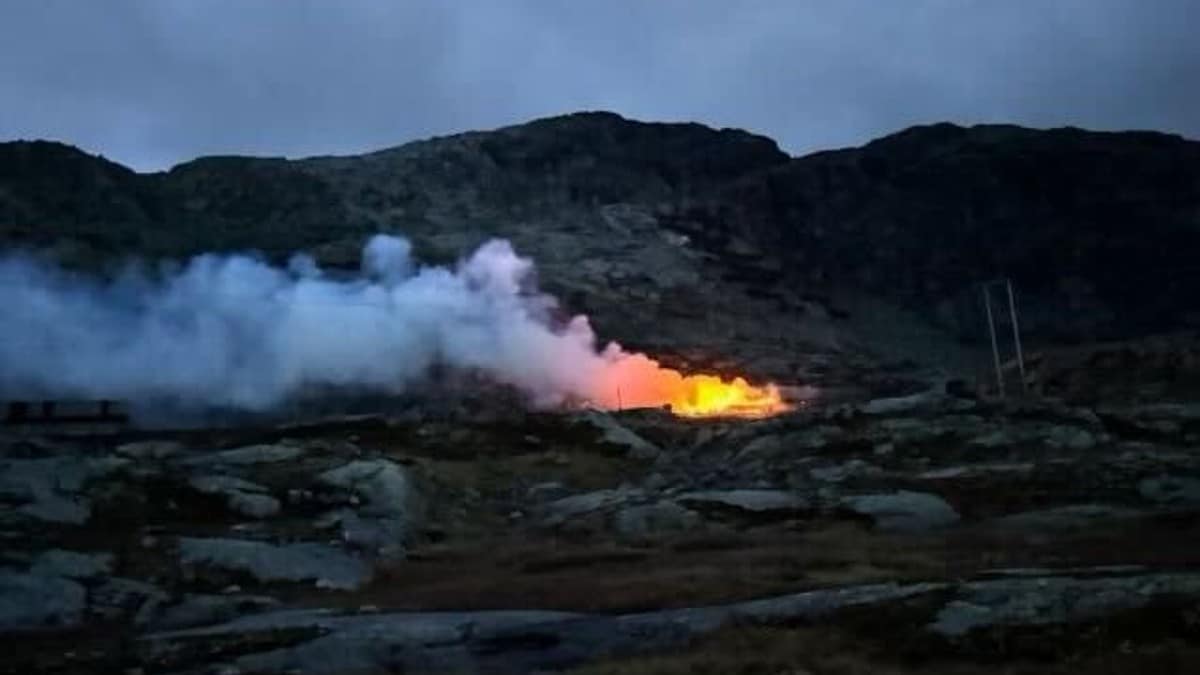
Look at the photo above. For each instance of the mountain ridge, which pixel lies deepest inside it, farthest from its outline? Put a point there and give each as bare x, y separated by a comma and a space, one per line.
618, 211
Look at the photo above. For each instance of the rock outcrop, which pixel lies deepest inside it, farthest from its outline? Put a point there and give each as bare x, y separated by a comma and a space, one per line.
709, 232
495, 546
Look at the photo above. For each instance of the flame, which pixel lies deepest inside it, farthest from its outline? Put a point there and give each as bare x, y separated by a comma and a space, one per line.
709, 396
636, 381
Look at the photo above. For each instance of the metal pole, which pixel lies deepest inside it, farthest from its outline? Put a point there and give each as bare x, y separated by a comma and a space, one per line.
987, 304
1012, 311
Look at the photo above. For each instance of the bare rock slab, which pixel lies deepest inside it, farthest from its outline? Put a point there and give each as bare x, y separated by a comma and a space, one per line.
903, 511
389, 505
325, 566
751, 501
241, 496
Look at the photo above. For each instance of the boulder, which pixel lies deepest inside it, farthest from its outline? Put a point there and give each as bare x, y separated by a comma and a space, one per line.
587, 502
924, 400
975, 470
762, 502
258, 454
389, 505
651, 520
242, 496
766, 445
613, 433
903, 511
839, 473
325, 566
200, 610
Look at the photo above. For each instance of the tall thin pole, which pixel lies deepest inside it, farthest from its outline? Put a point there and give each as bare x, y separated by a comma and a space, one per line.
1012, 311
987, 304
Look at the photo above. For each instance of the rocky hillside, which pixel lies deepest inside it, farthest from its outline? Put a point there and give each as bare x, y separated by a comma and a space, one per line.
1098, 230
52, 193
692, 227
883, 527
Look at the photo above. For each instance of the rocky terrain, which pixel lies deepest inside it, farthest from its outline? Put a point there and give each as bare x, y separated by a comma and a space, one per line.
697, 242
928, 532
905, 519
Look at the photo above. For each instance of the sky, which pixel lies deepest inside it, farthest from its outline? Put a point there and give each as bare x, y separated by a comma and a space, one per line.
151, 83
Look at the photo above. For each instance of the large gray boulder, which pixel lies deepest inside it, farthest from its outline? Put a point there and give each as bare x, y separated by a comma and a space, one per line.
652, 520
614, 433
200, 610
322, 565
772, 445
388, 505
897, 405
903, 511
241, 496
250, 455
562, 510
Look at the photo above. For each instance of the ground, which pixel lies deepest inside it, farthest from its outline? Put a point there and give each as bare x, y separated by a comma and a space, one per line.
928, 532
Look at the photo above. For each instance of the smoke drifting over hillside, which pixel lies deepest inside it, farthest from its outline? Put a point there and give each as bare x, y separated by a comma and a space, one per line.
233, 331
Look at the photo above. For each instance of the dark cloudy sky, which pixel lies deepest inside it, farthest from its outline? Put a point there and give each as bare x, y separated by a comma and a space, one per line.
154, 82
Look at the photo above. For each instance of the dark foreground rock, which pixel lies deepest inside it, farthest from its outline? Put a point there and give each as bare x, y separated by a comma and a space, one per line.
529, 641
934, 528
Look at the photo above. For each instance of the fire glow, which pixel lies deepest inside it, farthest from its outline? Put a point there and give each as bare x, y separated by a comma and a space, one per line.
232, 331
637, 381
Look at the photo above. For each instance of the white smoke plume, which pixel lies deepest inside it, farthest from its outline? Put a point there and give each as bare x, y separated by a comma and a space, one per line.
233, 331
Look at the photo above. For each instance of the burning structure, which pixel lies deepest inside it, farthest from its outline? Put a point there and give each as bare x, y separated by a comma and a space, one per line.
233, 331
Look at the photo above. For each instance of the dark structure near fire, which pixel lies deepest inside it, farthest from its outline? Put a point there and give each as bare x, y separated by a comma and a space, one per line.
61, 413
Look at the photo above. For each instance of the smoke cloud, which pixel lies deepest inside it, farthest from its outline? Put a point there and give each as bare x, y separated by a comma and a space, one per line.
232, 331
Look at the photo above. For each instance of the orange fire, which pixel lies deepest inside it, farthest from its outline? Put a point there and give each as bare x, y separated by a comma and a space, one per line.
636, 381
710, 396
